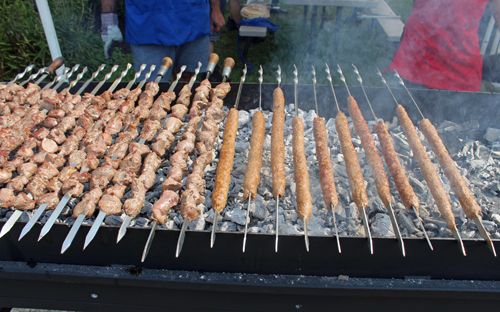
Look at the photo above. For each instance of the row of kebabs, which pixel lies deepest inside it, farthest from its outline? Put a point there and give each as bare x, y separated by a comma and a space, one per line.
94, 122
356, 180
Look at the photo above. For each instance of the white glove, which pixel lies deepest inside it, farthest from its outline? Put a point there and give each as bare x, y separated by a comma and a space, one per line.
114, 34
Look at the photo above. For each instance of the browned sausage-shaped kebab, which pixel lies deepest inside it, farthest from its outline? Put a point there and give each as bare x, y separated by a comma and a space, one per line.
463, 193
372, 155
326, 175
225, 166
278, 151
356, 180
397, 171
301, 173
251, 179
429, 172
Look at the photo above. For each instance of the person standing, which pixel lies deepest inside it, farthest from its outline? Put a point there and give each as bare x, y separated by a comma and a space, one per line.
178, 29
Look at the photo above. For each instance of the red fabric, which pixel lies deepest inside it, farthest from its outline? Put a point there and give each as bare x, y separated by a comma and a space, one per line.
440, 46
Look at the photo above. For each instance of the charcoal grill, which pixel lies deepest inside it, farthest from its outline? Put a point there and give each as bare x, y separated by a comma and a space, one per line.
109, 276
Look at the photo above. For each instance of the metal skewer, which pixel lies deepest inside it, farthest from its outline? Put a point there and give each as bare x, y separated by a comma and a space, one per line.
216, 216
119, 79
56, 79
179, 75
295, 83
477, 221
21, 75
421, 225
182, 234
389, 208
74, 69
363, 215
277, 197
57, 211
329, 77
137, 74
166, 63
32, 76
74, 82
99, 69
261, 72
12, 220
212, 62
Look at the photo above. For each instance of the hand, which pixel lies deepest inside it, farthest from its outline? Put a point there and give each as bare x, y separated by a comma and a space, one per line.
114, 34
216, 18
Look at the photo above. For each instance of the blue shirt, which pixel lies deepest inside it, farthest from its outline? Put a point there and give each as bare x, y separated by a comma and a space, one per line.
166, 22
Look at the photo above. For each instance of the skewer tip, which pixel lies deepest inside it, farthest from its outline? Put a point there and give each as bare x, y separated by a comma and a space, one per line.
485, 235
367, 229
214, 228
455, 233
306, 233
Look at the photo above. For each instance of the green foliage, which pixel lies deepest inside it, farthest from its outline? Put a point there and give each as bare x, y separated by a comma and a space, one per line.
23, 42
20, 43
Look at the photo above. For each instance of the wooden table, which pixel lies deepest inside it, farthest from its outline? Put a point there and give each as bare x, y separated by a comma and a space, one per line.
359, 4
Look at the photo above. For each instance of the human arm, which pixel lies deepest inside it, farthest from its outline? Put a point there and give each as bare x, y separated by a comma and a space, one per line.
216, 16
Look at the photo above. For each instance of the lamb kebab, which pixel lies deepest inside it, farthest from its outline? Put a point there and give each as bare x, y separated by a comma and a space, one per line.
278, 150
42, 179
373, 157
463, 193
251, 179
96, 141
134, 205
326, 176
403, 186
225, 166
301, 173
192, 197
104, 174
70, 148
356, 180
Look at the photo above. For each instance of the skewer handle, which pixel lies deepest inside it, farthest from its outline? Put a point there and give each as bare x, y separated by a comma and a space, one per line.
212, 62
228, 67
166, 63
58, 62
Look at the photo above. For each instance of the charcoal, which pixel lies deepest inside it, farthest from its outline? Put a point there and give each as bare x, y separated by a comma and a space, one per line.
492, 135
113, 220
381, 225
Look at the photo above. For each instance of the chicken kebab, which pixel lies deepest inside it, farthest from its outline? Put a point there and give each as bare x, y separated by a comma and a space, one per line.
47, 147
118, 167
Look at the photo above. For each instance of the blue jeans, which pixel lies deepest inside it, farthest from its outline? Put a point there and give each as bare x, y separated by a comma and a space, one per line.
188, 54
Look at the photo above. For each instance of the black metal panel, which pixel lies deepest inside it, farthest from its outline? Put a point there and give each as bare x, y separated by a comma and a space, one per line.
445, 262
112, 288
